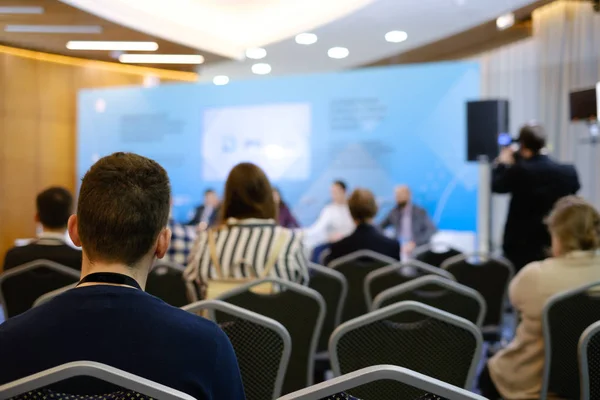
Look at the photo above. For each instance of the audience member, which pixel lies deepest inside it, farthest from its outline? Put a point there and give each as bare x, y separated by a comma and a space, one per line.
412, 225
248, 237
363, 209
182, 241
206, 215
284, 216
54, 206
121, 224
334, 222
516, 371
535, 182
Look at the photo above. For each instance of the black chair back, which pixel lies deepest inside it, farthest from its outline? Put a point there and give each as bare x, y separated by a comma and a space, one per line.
589, 362
20, 287
300, 310
165, 281
566, 316
431, 255
355, 267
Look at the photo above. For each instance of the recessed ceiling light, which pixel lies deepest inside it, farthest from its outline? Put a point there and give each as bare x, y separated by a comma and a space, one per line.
53, 28
221, 80
338, 52
306, 38
505, 21
261, 69
161, 58
396, 36
256, 53
22, 10
112, 46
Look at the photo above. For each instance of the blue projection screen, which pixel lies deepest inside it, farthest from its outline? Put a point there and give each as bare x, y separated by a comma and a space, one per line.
373, 128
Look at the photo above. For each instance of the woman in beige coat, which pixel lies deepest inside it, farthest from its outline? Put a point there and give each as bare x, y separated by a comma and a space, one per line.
515, 373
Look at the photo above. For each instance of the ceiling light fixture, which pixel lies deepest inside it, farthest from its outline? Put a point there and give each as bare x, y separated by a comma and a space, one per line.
396, 36
306, 38
505, 21
261, 69
53, 28
338, 52
256, 53
21, 10
161, 58
112, 46
221, 80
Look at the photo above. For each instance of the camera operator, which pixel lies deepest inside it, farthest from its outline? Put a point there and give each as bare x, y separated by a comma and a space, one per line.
535, 182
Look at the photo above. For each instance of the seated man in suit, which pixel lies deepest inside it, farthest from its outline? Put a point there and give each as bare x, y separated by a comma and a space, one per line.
363, 209
121, 225
411, 222
206, 215
54, 206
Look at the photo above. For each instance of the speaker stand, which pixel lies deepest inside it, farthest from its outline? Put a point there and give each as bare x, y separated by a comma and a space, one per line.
484, 204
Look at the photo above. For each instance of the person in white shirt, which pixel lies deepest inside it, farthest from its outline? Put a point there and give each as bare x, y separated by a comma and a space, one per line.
334, 222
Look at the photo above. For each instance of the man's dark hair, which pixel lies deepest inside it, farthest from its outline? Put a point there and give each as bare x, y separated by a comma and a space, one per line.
209, 191
124, 204
532, 137
341, 184
54, 207
362, 205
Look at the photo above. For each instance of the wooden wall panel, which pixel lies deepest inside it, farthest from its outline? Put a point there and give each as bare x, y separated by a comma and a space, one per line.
38, 133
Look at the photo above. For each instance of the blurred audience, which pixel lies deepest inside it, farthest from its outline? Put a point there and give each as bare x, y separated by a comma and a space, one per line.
412, 225
248, 236
182, 241
516, 371
284, 215
121, 224
366, 236
535, 182
206, 215
54, 207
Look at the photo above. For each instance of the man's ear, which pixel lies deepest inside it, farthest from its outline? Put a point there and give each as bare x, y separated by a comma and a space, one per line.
163, 243
37, 218
74, 230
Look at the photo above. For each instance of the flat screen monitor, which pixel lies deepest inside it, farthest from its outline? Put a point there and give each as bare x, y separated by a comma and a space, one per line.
584, 105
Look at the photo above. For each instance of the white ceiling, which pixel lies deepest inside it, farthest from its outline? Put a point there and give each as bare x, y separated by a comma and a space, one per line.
227, 27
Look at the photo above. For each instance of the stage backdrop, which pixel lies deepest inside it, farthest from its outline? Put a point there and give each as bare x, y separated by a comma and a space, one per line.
373, 128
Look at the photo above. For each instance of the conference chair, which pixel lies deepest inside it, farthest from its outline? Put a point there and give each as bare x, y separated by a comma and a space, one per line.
437, 344
435, 253
437, 292
332, 285
396, 274
355, 267
50, 295
135, 387
165, 281
299, 309
589, 362
21, 286
490, 276
262, 346
565, 317
394, 382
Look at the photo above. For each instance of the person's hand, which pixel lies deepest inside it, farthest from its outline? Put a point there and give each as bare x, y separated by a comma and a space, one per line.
507, 156
202, 226
334, 237
408, 247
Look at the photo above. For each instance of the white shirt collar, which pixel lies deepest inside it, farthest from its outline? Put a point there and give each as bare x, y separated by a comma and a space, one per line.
52, 235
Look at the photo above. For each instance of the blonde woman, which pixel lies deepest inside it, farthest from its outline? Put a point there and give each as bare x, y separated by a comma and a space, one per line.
574, 225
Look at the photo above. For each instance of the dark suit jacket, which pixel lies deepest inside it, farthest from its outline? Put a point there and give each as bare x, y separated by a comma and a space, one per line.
535, 184
364, 237
197, 217
57, 251
422, 226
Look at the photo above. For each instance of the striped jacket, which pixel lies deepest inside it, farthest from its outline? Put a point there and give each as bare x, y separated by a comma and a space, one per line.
244, 244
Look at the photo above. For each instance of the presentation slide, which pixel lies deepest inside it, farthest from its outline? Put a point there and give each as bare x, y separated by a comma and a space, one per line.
373, 128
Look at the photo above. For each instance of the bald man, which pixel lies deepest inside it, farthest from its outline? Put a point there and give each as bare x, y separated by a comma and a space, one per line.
413, 225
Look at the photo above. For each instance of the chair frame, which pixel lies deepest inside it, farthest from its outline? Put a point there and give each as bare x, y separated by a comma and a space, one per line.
50, 295
30, 266
547, 335
269, 323
358, 254
378, 373
430, 269
427, 246
438, 280
95, 370
424, 309
504, 262
313, 294
342, 280
584, 366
